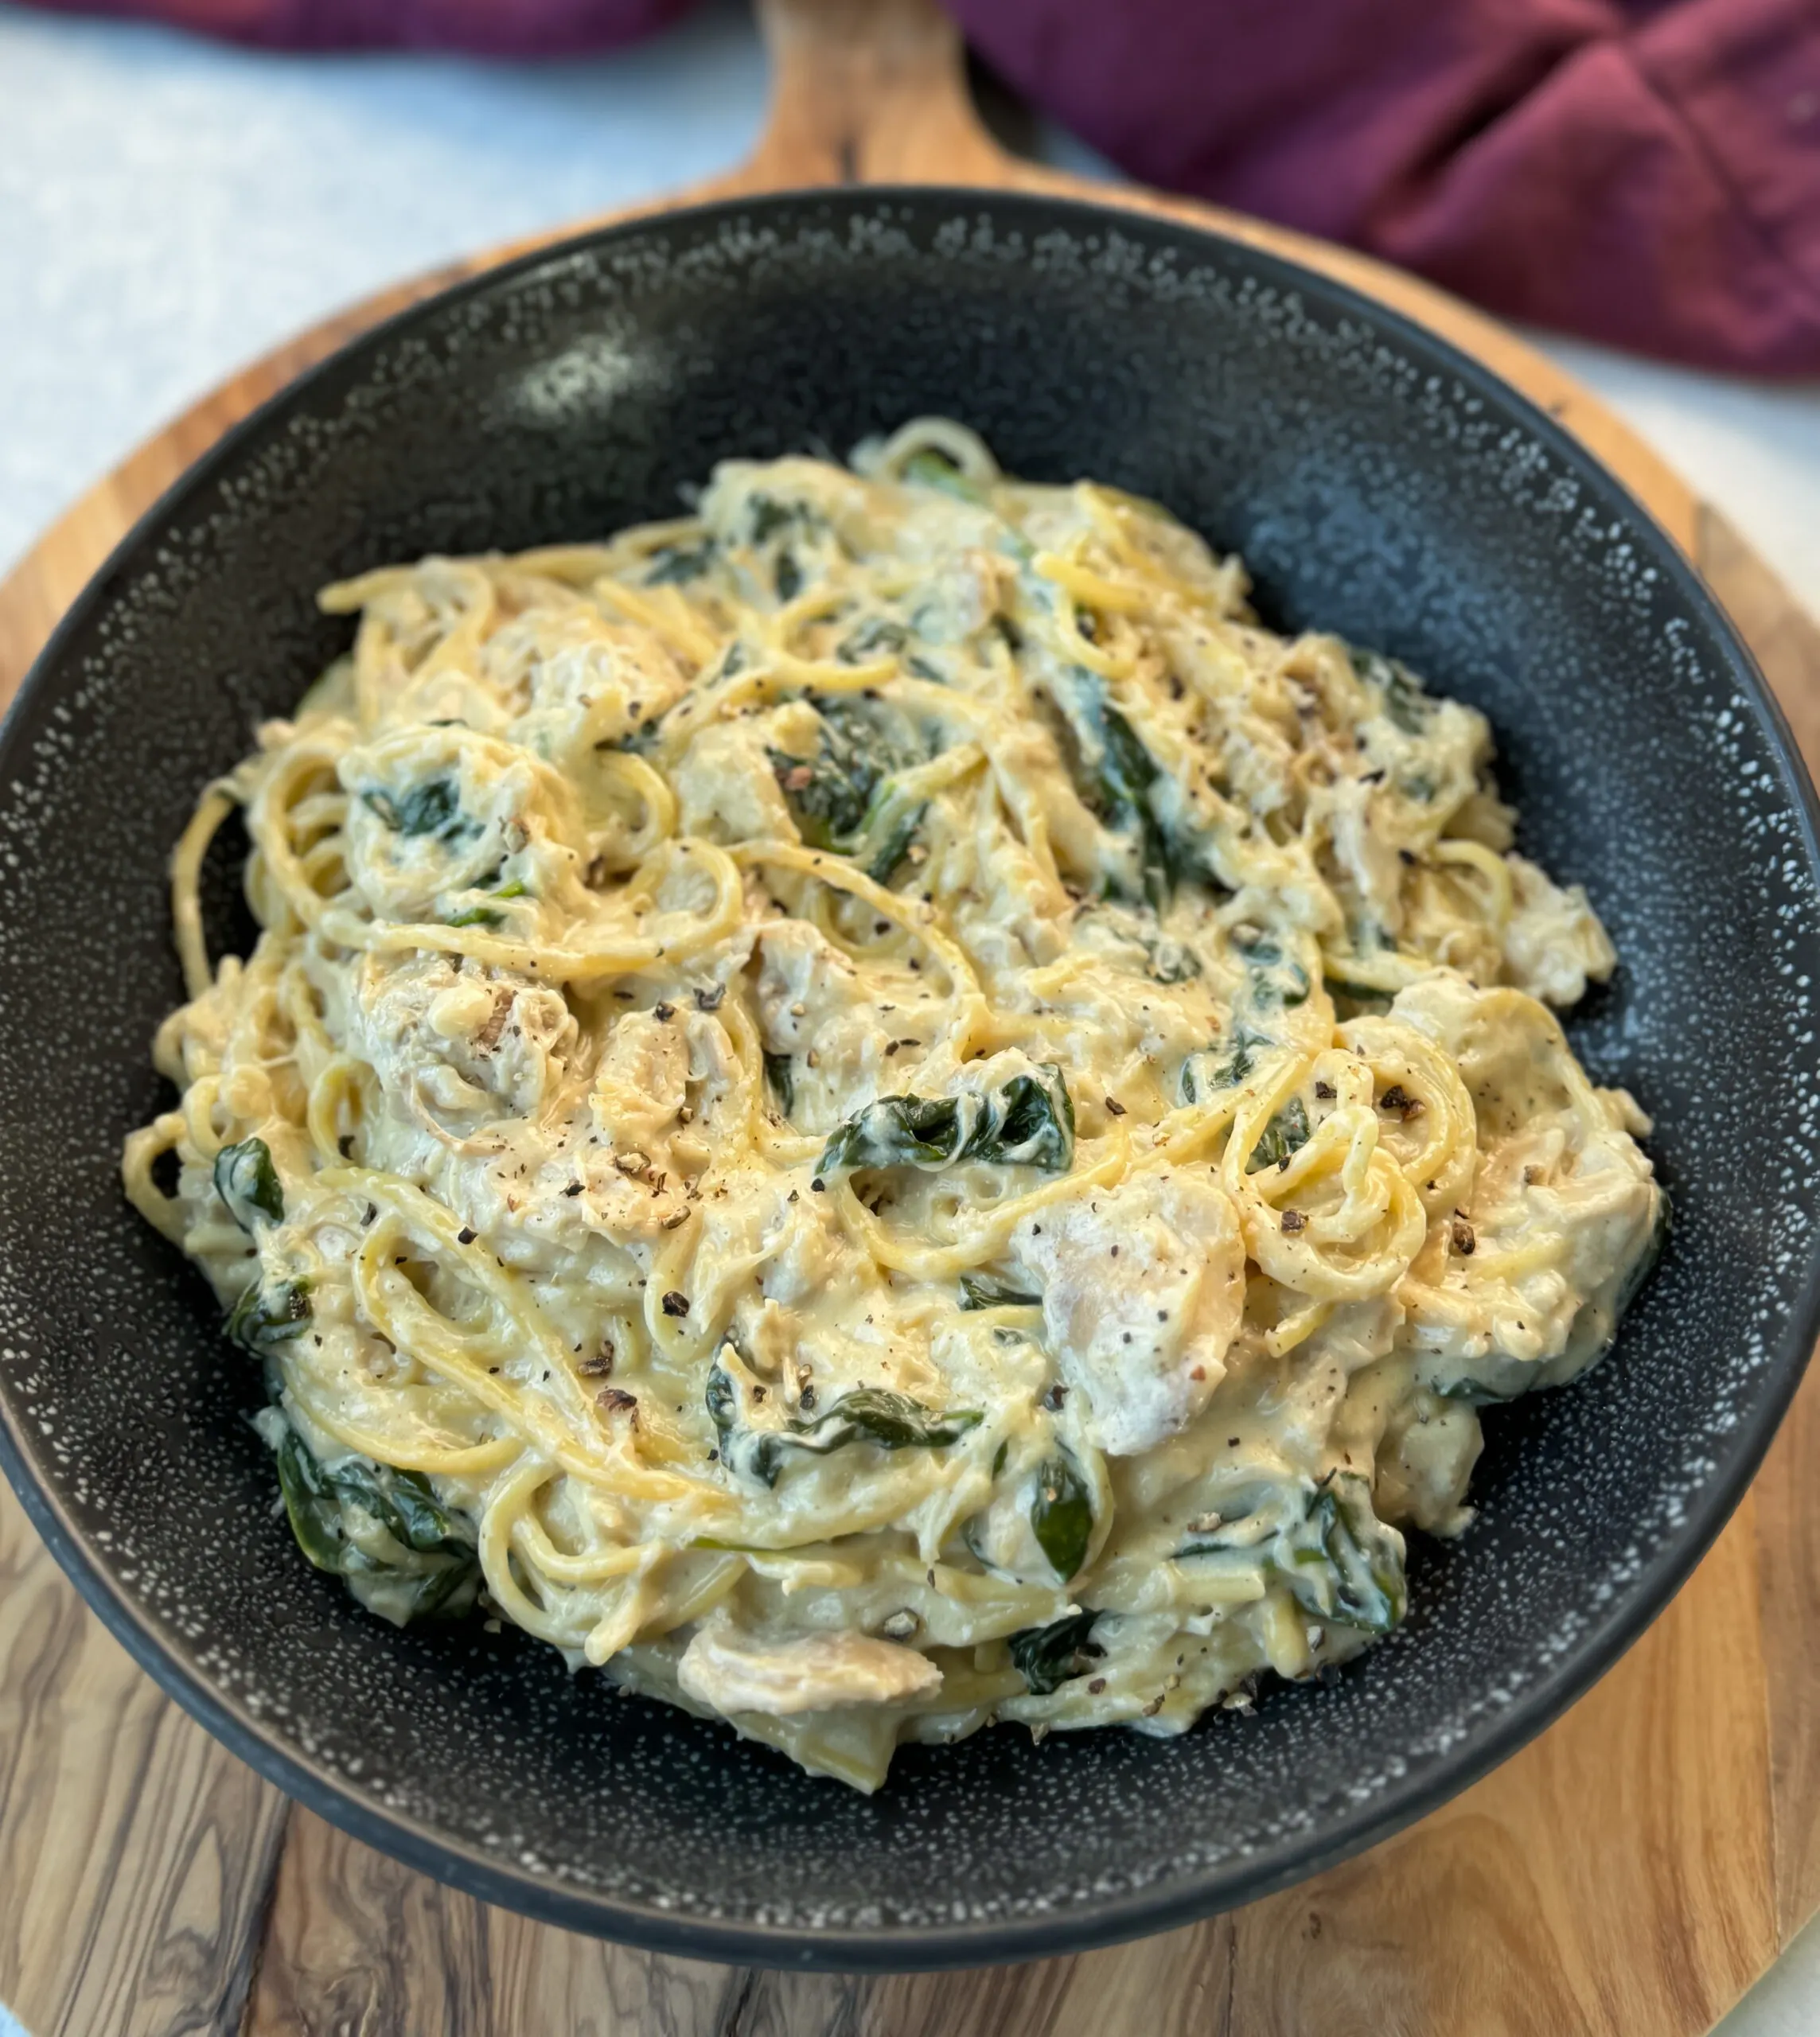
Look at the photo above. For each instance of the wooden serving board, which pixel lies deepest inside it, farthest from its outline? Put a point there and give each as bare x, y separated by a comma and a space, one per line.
1631, 1871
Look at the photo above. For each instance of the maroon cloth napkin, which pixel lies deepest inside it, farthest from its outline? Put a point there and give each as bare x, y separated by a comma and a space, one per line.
1645, 172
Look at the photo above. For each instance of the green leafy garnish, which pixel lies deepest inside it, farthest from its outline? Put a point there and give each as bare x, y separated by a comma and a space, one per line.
866, 640
981, 1291
1286, 1133
1277, 980
891, 838
675, 565
929, 469
1405, 704
869, 1414
766, 517
1028, 1121
1354, 1000
1206, 1074
1170, 961
1061, 1514
1127, 771
1120, 780
861, 743
246, 1180
432, 808
1047, 1657
842, 798
781, 1079
1340, 1562
265, 1316
489, 915
401, 1553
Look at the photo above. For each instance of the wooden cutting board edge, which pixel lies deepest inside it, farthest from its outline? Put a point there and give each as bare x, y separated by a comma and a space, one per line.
1632, 1870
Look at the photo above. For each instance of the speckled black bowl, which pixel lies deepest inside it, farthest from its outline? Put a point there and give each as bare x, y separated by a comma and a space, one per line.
1378, 483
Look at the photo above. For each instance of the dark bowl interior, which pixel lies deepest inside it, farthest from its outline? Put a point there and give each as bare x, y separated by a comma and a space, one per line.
1378, 484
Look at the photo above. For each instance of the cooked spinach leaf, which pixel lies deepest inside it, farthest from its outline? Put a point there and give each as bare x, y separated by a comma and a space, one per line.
832, 794
866, 640
1163, 958
981, 1291
1473, 1392
888, 838
766, 517
432, 808
867, 1414
1170, 961
1277, 981
1121, 781
1354, 1000
787, 577
1028, 1121
1047, 1657
490, 915
929, 469
1286, 1133
1405, 704
1338, 1560
781, 1078
1061, 1514
675, 565
1127, 771
264, 1315
383, 1531
1205, 1074
246, 1180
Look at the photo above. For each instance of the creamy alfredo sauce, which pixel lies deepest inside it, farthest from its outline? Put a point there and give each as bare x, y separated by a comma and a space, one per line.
875, 1111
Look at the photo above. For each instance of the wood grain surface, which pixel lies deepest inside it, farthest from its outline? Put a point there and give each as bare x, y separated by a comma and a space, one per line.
1630, 1873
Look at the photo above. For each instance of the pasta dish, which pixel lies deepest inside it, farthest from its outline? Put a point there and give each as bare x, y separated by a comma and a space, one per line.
874, 1111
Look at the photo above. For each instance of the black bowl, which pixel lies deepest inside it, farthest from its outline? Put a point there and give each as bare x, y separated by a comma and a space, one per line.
1379, 484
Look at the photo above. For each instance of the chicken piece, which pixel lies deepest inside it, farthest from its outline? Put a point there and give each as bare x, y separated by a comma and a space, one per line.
466, 1037
1554, 944
731, 1672
1364, 853
727, 788
1018, 914
758, 1228
812, 998
587, 681
642, 1080
1143, 1286
1425, 1464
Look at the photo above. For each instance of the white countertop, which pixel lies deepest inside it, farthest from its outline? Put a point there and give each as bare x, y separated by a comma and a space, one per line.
168, 210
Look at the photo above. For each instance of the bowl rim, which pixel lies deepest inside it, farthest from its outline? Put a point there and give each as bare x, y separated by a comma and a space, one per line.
899, 1948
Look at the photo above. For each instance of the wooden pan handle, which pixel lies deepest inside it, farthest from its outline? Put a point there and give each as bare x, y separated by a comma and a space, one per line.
869, 91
